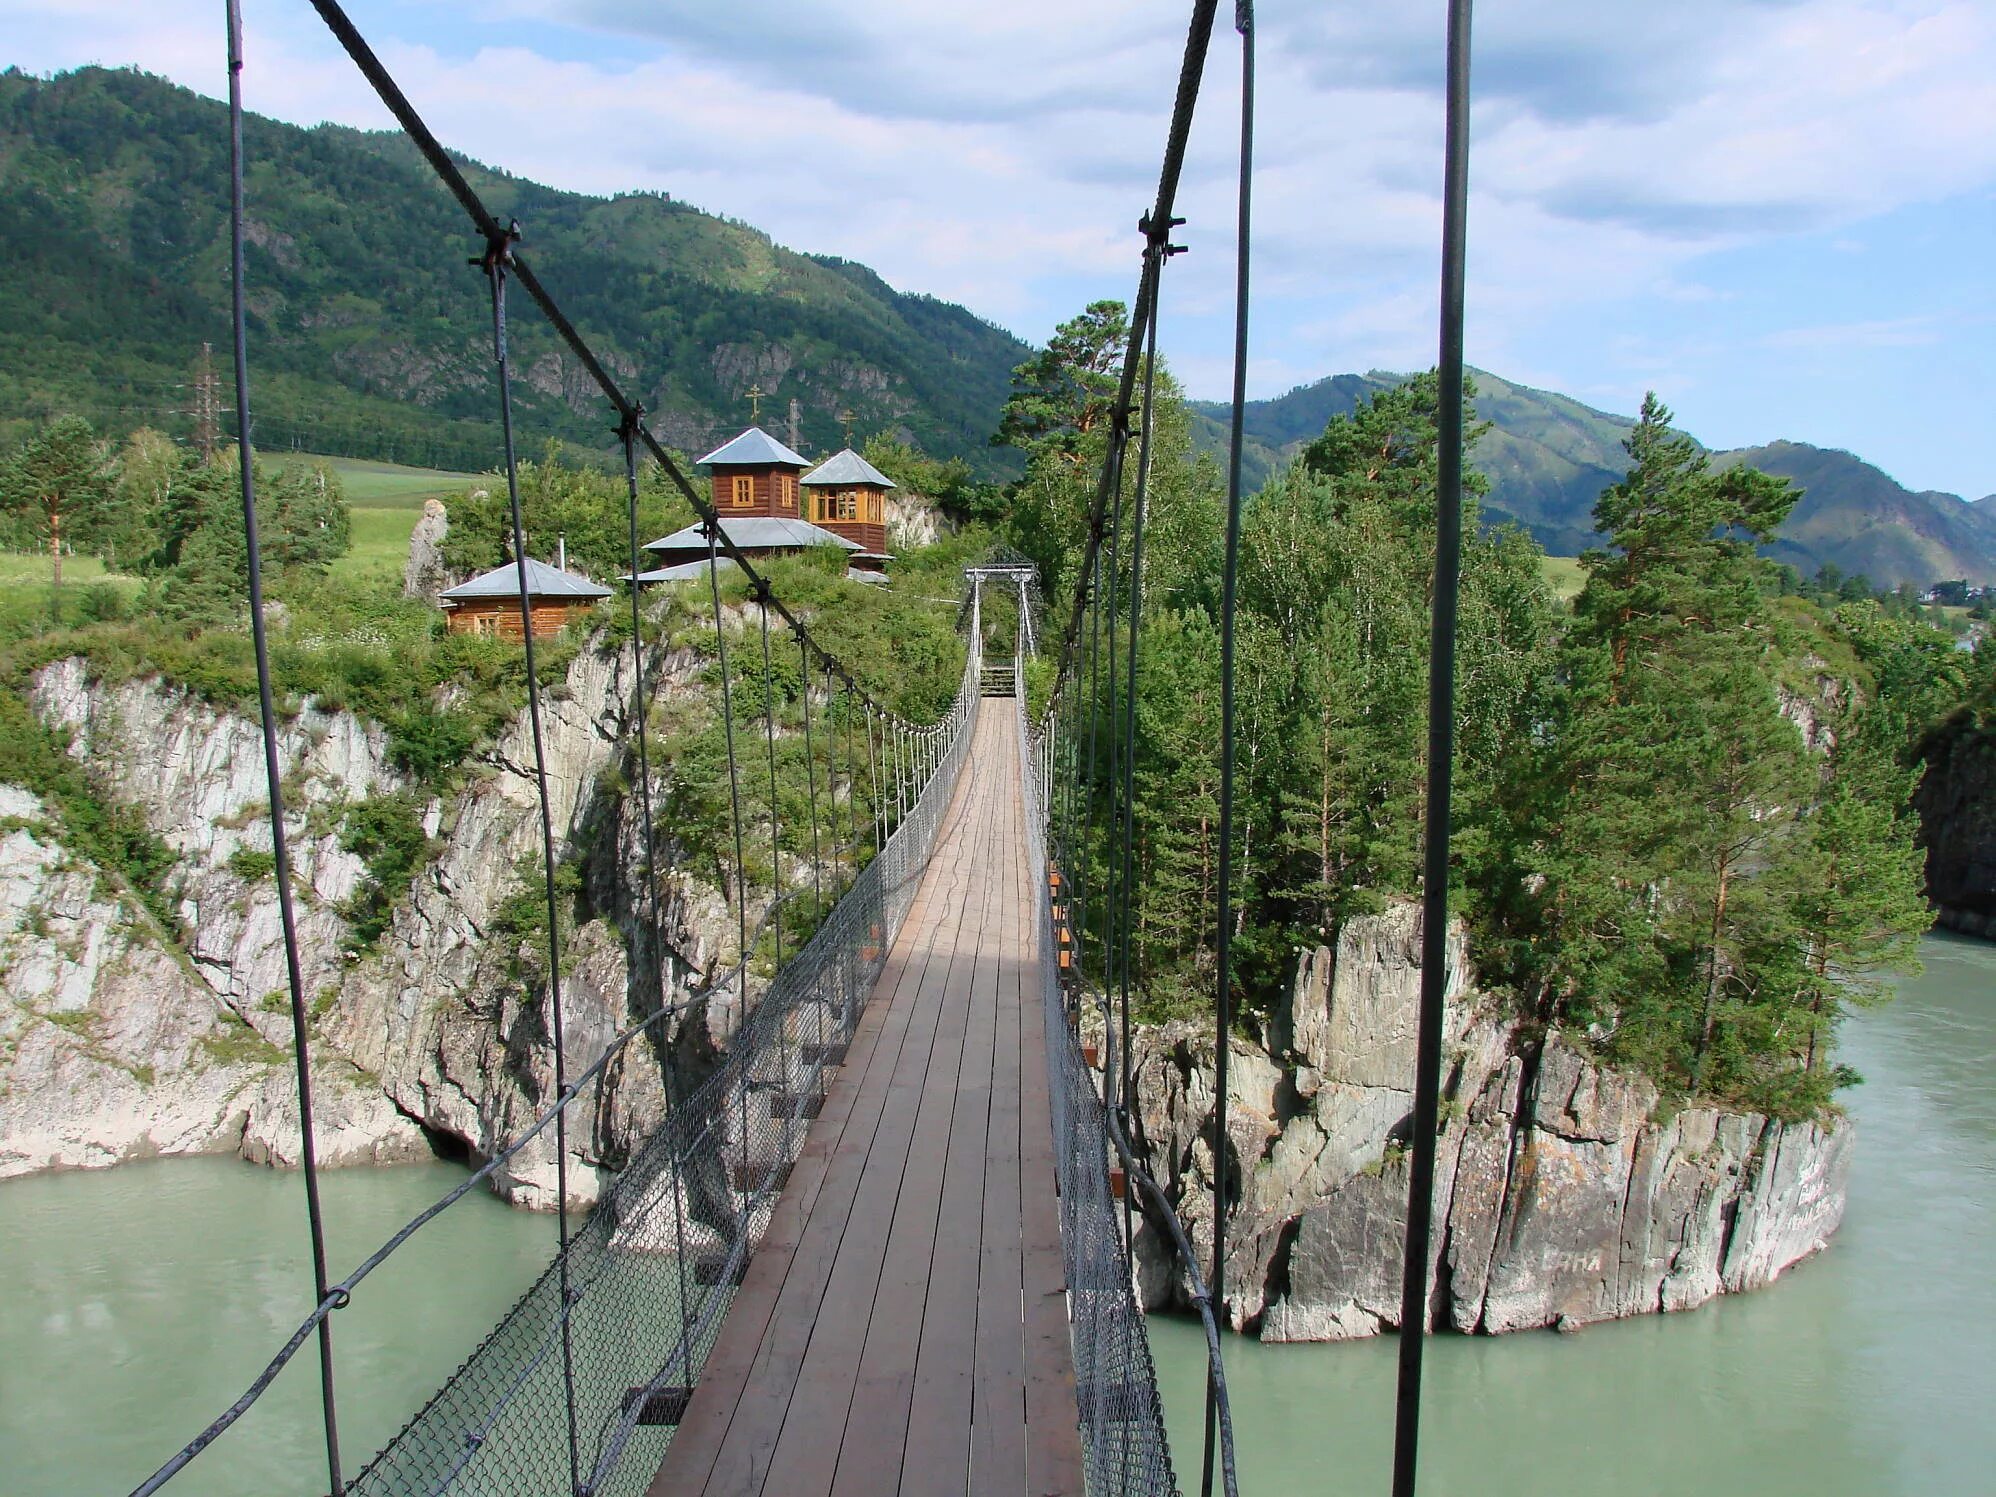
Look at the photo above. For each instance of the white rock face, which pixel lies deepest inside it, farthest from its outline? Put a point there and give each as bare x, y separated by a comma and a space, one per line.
117, 1041
110, 1047
1559, 1198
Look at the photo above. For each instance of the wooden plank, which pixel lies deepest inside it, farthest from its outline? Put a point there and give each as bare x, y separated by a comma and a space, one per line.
877, 1041
823, 1417
903, 1328
938, 1455
1053, 1433
998, 1431
875, 1437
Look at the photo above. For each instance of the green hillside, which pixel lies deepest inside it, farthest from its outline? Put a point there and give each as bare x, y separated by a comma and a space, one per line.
370, 331
1548, 457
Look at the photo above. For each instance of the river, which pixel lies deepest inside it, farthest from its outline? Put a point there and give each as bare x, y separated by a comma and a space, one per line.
1868, 1371
139, 1301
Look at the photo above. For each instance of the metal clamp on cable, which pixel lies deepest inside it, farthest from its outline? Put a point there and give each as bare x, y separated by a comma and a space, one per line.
1157, 233
498, 248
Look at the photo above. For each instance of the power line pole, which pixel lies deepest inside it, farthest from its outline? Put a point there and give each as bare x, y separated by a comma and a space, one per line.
207, 404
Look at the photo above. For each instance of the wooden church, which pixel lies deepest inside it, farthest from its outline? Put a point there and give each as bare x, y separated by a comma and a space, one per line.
771, 502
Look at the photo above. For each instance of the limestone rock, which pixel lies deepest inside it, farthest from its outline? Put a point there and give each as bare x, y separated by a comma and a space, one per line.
1560, 1197
424, 576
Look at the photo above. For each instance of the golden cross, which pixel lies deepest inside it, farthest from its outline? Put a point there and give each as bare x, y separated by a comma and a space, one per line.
755, 394
847, 417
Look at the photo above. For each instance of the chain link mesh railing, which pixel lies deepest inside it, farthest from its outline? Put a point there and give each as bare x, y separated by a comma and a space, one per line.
1122, 1417
653, 1269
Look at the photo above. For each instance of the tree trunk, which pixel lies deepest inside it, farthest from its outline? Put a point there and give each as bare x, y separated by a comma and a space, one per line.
55, 544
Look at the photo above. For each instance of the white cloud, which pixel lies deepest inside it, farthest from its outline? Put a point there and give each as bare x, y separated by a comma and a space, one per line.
999, 155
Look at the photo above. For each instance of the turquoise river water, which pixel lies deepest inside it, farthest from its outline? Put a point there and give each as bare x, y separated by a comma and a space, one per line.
135, 1303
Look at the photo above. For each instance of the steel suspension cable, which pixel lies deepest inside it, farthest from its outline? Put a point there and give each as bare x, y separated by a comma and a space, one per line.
663, 954
1441, 764
741, 862
273, 772
1158, 222
775, 876
810, 773
1223, 998
489, 229
494, 263
1127, 869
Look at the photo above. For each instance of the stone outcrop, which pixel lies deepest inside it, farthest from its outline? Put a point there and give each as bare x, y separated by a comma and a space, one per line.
1564, 1194
1956, 800
119, 1038
424, 576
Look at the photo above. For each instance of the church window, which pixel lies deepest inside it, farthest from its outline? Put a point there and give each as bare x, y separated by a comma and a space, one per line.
744, 491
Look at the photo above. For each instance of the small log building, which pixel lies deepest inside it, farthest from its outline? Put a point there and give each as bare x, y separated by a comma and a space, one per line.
490, 603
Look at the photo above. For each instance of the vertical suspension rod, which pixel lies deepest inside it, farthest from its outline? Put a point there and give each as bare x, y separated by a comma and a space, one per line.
1223, 998
1441, 757
273, 771
494, 264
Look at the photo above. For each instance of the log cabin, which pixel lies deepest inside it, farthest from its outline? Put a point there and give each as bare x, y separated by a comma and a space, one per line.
490, 602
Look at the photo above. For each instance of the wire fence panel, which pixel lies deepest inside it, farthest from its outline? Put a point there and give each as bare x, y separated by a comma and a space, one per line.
1122, 1416
653, 1269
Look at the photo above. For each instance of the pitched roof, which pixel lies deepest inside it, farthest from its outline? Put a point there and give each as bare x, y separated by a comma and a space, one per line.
543, 581
756, 448
848, 467
684, 571
754, 533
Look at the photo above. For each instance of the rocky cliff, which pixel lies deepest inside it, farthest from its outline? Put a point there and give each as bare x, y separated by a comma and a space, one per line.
1564, 1194
1957, 805
120, 1038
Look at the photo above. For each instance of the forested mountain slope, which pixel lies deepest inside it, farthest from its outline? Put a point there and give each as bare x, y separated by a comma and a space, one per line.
1549, 457
369, 329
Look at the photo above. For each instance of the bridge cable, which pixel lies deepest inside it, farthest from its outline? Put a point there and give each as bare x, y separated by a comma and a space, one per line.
1191, 70
494, 262
273, 772
741, 863
663, 954
1223, 999
1128, 897
775, 877
1441, 763
489, 227
811, 770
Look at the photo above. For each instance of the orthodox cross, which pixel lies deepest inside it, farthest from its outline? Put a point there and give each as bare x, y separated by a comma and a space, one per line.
847, 417
754, 398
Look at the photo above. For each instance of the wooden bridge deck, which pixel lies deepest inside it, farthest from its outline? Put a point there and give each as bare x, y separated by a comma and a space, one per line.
903, 1325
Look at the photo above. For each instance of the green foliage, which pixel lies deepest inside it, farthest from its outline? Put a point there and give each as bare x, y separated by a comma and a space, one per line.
55, 487
111, 836
370, 336
386, 832
252, 864
561, 498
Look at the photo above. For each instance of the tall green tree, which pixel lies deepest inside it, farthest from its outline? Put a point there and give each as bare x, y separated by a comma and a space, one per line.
58, 481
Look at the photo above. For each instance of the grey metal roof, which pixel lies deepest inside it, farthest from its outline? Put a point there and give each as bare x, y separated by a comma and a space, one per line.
875, 579
756, 448
754, 533
684, 571
543, 581
848, 467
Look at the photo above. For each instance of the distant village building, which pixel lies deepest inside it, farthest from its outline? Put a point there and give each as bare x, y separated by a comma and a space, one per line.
849, 498
760, 491
490, 603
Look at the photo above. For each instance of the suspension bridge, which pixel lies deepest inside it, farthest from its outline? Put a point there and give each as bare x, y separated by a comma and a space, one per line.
884, 1244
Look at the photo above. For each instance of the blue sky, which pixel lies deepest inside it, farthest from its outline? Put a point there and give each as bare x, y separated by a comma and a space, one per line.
1777, 213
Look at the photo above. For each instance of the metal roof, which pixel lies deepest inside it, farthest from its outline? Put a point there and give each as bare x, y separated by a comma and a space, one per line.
848, 467
754, 533
756, 448
684, 571
543, 581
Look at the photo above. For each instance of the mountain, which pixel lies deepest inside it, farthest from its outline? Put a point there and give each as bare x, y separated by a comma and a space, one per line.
370, 334
1853, 515
1548, 457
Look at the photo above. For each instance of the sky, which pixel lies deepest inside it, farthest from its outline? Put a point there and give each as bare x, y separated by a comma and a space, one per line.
1778, 214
